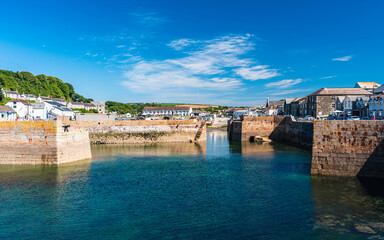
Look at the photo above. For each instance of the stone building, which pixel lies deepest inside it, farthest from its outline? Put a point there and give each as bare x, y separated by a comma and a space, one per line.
297, 107
323, 101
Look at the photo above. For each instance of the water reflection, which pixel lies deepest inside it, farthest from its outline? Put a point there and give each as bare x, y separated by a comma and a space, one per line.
47, 175
156, 149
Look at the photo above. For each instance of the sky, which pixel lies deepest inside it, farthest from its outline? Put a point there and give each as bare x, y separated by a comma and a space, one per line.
207, 52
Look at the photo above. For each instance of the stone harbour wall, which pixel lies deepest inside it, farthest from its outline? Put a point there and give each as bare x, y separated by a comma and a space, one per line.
348, 148
41, 142
280, 129
143, 131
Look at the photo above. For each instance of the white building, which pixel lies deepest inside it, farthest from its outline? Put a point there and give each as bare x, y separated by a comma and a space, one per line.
22, 108
10, 94
56, 109
39, 111
239, 113
28, 97
7, 113
167, 111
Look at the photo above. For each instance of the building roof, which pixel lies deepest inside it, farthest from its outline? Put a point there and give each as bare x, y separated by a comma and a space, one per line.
14, 92
20, 100
379, 89
6, 109
367, 85
166, 108
98, 103
77, 103
340, 92
297, 100
89, 105
276, 103
289, 100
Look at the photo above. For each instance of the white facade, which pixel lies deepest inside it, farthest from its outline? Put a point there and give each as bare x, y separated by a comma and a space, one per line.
7, 113
239, 113
167, 111
10, 94
39, 111
22, 108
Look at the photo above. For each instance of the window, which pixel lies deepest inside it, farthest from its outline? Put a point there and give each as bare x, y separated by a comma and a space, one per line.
333, 105
333, 97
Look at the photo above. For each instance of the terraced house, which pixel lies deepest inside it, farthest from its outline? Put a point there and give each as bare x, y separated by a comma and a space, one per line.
323, 102
167, 111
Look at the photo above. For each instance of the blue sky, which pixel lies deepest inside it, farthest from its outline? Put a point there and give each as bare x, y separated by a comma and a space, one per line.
215, 52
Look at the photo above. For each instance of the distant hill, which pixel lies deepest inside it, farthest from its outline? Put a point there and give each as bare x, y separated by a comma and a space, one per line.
26, 82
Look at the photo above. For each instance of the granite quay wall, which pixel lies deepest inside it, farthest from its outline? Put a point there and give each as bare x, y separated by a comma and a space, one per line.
41, 142
151, 131
295, 133
280, 129
348, 148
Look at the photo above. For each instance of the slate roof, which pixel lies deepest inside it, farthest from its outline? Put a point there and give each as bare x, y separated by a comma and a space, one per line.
59, 106
6, 109
340, 91
20, 100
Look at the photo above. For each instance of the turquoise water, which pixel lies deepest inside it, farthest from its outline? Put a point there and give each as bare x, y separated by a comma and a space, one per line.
217, 190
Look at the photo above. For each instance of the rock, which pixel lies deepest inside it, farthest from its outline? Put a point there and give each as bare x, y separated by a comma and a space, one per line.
364, 229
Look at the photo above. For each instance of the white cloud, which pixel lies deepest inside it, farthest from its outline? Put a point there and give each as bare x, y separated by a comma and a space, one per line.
207, 66
257, 72
328, 77
342, 59
286, 83
181, 43
120, 46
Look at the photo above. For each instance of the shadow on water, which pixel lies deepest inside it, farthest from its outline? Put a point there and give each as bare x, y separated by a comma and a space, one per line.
347, 205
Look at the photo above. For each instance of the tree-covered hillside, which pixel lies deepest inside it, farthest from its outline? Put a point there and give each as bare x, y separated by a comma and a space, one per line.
26, 82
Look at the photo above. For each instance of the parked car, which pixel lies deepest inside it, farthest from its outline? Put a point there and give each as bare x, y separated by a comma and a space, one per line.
354, 118
309, 117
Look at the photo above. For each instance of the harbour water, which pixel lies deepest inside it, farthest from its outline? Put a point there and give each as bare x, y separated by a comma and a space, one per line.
217, 190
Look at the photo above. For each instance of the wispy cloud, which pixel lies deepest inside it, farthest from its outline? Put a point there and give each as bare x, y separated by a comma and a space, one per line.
342, 59
257, 72
148, 18
181, 43
283, 84
328, 77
